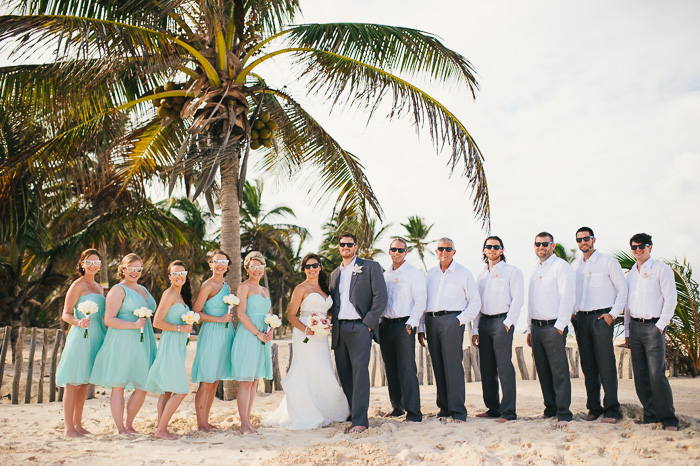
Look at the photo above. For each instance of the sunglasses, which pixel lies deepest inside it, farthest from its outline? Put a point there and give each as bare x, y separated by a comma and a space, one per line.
131, 269
220, 262
543, 243
401, 250
88, 263
640, 246
179, 274
493, 246
258, 268
346, 245
315, 265
585, 238
445, 248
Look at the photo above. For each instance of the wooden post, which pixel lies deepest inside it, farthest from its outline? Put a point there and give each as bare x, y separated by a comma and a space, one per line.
42, 364
54, 363
620, 363
3, 351
520, 356
373, 357
428, 366
630, 372
474, 356
291, 355
420, 364
90, 392
19, 346
573, 369
534, 367
382, 369
30, 368
63, 344
467, 363
276, 375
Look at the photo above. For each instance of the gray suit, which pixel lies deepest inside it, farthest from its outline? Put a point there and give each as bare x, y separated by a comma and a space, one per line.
351, 340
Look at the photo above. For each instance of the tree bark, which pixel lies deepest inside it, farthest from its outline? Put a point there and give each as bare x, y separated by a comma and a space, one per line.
231, 235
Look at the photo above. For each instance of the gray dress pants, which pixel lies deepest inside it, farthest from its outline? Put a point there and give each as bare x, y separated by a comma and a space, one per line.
549, 350
399, 354
352, 361
496, 354
445, 338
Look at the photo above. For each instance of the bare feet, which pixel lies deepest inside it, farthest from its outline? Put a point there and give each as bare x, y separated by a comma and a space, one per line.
213, 427
543, 416
82, 430
501, 420
165, 435
484, 415
248, 430
358, 429
562, 424
131, 430
394, 414
458, 421
671, 428
72, 434
590, 417
127, 433
203, 428
608, 420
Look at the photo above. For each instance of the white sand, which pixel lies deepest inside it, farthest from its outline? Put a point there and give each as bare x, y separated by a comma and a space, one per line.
33, 434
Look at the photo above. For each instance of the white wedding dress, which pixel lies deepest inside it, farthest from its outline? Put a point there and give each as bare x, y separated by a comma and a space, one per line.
313, 397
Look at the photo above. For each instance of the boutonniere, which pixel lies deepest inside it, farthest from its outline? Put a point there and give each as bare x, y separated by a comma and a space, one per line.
357, 270
587, 274
538, 278
646, 275
396, 281
495, 275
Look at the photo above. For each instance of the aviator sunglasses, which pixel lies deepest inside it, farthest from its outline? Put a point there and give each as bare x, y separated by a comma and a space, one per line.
493, 246
315, 265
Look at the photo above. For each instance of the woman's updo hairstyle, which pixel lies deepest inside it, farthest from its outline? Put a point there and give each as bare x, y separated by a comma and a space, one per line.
253, 255
85, 254
126, 261
219, 251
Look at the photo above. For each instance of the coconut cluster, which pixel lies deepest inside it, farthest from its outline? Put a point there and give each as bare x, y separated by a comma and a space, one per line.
261, 133
169, 106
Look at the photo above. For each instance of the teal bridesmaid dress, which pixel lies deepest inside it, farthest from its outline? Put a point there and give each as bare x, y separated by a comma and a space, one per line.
250, 358
168, 373
213, 359
78, 355
124, 360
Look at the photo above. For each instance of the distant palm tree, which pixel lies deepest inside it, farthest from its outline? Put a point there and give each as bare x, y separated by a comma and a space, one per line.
416, 233
569, 255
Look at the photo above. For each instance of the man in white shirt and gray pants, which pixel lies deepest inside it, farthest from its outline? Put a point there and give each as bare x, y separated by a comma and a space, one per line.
550, 303
502, 295
405, 306
601, 295
453, 300
650, 307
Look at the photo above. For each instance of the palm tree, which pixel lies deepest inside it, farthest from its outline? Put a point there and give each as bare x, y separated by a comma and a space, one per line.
416, 233
197, 63
567, 254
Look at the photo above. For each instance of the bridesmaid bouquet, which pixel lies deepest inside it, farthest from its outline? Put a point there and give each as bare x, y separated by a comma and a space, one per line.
143, 313
190, 318
273, 321
319, 324
88, 308
231, 300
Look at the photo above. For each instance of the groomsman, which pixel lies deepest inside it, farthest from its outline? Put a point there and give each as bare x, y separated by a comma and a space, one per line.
502, 296
551, 301
601, 294
406, 292
650, 306
453, 300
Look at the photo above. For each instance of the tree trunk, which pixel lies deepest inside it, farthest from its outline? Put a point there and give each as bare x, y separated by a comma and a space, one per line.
231, 235
104, 268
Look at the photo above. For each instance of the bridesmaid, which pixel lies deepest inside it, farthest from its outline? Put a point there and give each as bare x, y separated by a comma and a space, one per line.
79, 353
124, 360
168, 376
213, 360
251, 357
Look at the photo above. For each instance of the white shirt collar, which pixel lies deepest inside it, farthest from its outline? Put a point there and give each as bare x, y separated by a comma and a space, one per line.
350, 265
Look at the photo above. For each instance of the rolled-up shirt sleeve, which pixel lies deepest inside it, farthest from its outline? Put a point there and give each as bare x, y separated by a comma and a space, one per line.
419, 292
473, 300
617, 277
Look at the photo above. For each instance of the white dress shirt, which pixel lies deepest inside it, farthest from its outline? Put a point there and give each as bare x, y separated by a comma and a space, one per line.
453, 290
552, 292
407, 294
502, 291
652, 293
347, 311
600, 283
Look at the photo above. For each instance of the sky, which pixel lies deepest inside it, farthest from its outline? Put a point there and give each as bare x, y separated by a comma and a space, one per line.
588, 113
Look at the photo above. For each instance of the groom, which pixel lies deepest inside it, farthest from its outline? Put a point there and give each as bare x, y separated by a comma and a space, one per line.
359, 298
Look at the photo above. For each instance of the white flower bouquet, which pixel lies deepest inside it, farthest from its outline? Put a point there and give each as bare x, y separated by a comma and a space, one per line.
319, 324
190, 318
143, 313
231, 300
88, 308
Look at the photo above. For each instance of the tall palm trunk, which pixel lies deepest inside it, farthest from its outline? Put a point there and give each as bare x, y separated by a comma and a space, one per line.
231, 235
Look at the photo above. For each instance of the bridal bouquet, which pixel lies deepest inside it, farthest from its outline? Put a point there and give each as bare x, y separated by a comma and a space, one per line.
231, 300
143, 313
319, 324
88, 308
190, 318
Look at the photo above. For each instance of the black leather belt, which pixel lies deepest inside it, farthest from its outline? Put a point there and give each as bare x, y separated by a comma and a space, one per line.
442, 313
395, 319
350, 320
494, 316
543, 323
596, 311
653, 320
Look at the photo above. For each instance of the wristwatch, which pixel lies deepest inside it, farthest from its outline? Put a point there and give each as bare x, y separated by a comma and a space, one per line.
408, 327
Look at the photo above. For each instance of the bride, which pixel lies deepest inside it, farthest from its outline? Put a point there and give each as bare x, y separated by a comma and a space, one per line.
313, 397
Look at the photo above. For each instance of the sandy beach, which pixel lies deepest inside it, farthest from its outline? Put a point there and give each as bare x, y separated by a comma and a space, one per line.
32, 434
